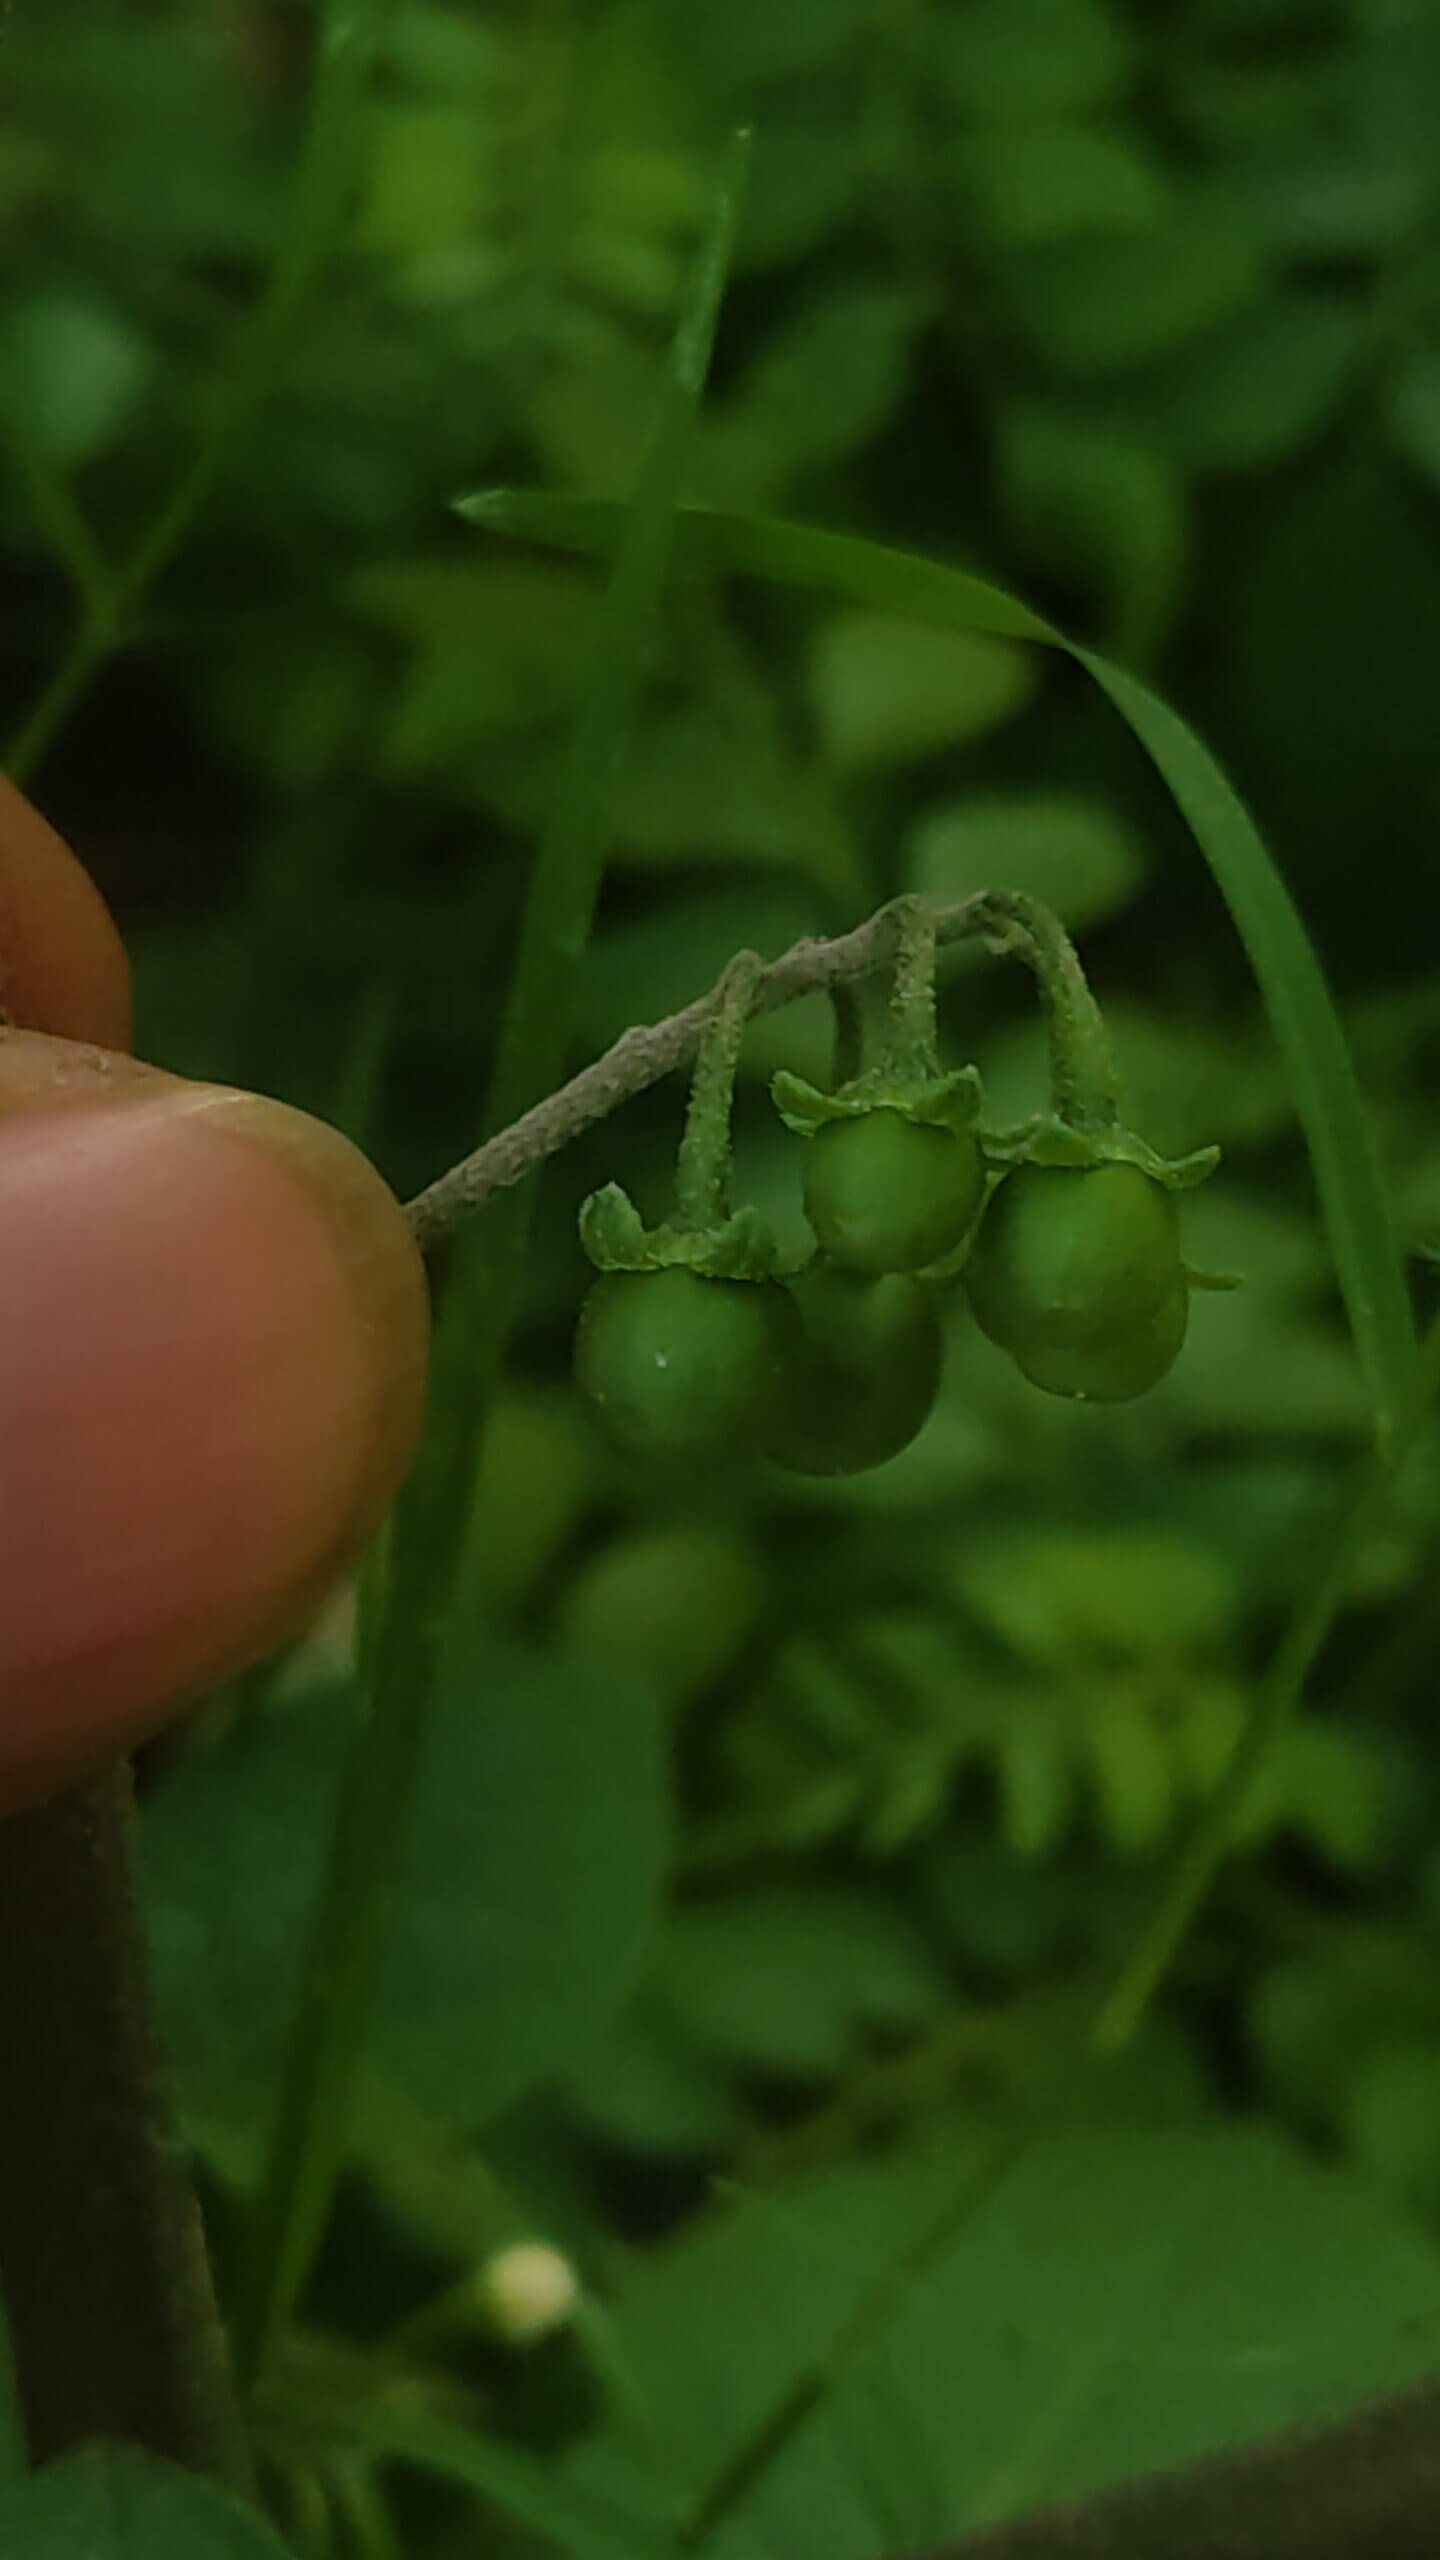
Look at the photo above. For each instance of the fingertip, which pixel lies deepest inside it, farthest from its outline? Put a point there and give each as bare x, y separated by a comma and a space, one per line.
212, 1370
62, 963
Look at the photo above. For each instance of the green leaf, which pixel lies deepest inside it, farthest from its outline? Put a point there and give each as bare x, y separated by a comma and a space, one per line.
525, 1908
506, 2479
533, 1883
887, 690
501, 651
819, 389
1316, 202
1095, 505
76, 372
1302, 1014
1342, 1792
1117, 2301
1064, 1599
1092, 307
1392, 2120
710, 785
670, 1605
1052, 180
644, 966
715, 2330
1023, 58
431, 180
753, 41
651, 2087
1313, 2027
806, 183
1073, 855
1248, 393
1412, 412
112, 2503
1132, 1773
538, 1470
784, 1980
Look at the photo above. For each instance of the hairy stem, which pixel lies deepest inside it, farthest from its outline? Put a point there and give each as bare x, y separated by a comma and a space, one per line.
642, 1056
702, 1174
910, 1055
1082, 1065
102, 2261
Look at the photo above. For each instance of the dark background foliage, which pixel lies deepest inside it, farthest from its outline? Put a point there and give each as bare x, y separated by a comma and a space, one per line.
800, 1817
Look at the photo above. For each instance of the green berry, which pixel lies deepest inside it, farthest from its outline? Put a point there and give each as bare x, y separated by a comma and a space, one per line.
681, 1369
866, 1375
886, 1193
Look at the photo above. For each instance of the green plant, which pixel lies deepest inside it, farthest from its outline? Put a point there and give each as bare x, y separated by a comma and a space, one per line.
829, 1906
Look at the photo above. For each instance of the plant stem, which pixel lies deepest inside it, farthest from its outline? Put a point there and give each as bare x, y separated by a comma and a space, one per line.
1083, 1080
1276, 1700
910, 1055
102, 2261
429, 1529
57, 511
345, 47
643, 1055
702, 1172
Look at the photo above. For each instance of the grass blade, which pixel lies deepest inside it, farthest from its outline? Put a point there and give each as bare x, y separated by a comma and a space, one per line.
427, 1533
710, 543
1363, 1244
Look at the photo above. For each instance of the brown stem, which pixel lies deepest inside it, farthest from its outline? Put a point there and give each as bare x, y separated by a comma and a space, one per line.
1367, 2488
107, 2291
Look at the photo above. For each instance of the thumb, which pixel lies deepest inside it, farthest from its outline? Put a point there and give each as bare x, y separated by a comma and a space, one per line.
213, 1334
212, 1347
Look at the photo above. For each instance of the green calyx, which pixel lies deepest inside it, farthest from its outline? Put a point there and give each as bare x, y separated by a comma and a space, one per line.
1050, 1140
906, 1076
616, 1238
938, 1102
704, 1233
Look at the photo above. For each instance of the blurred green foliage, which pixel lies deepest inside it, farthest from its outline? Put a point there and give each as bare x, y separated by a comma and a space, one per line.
778, 1835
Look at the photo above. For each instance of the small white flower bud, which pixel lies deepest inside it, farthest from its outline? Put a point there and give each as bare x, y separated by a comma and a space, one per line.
528, 2290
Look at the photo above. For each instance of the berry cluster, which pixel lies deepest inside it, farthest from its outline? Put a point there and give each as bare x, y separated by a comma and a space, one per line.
694, 1346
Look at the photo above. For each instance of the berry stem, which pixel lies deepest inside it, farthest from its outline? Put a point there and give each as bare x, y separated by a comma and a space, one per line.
648, 1051
1083, 1080
702, 1170
910, 1054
